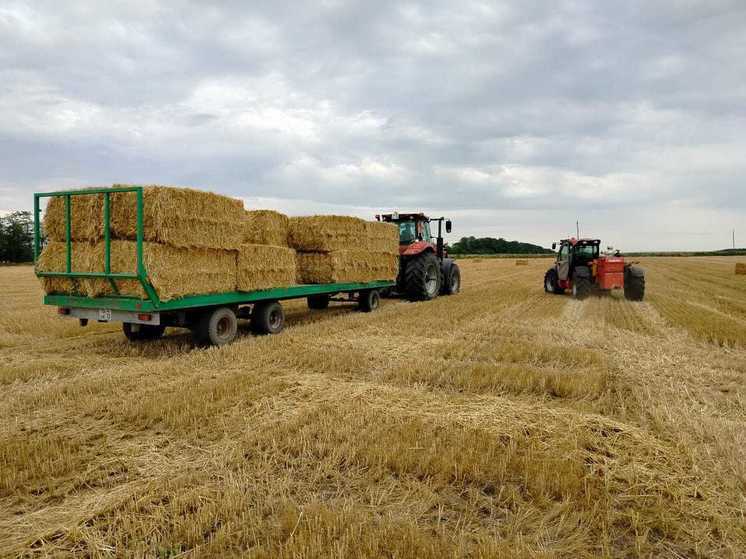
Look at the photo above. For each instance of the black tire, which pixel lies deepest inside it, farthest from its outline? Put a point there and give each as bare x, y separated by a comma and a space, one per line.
452, 284
267, 317
422, 277
369, 300
581, 287
634, 285
142, 332
216, 327
318, 302
551, 282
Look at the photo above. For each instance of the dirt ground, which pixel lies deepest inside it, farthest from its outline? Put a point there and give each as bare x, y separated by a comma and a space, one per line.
500, 422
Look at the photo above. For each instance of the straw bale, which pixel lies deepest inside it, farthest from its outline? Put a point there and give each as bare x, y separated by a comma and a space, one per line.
346, 265
181, 217
333, 232
53, 258
265, 266
741, 268
265, 227
521, 262
174, 272
86, 218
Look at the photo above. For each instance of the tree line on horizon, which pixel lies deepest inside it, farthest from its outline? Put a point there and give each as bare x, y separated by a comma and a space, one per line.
489, 245
16, 237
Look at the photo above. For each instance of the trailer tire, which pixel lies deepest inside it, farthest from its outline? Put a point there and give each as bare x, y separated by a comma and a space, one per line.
422, 277
216, 327
318, 302
369, 300
142, 332
267, 317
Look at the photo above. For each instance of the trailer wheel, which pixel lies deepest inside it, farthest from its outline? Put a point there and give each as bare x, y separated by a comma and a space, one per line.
318, 302
369, 300
216, 327
268, 317
142, 332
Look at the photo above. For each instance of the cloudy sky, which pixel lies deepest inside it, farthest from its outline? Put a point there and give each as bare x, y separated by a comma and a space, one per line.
513, 118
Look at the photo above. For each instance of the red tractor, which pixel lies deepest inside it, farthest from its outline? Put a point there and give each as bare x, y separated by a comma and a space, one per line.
581, 268
424, 267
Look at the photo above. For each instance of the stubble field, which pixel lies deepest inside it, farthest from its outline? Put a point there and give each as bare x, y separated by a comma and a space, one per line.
501, 422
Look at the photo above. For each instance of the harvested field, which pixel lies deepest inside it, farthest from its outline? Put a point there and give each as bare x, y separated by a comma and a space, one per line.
265, 227
325, 233
180, 217
265, 266
346, 265
741, 268
174, 272
502, 422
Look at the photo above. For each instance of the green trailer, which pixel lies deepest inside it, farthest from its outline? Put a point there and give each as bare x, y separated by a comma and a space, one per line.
212, 318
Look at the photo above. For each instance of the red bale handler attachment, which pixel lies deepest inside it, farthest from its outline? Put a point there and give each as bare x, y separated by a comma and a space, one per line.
582, 268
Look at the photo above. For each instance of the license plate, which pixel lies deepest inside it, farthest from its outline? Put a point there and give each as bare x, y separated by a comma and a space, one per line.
104, 315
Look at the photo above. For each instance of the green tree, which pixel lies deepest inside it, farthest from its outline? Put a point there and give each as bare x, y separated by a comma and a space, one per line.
16, 237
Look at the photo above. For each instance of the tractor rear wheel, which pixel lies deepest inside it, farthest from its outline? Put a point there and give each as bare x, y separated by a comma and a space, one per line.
452, 283
422, 277
581, 288
634, 285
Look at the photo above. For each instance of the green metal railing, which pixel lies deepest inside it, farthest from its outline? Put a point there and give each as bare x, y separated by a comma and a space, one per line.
140, 273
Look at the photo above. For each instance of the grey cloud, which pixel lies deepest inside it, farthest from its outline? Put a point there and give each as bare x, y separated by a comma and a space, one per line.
547, 109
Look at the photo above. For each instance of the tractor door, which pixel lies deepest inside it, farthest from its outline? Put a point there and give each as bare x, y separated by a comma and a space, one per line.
563, 262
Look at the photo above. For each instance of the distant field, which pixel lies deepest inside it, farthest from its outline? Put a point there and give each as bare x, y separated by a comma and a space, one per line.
500, 422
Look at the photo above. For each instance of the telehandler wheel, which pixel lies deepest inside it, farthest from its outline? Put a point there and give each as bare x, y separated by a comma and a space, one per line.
452, 282
142, 332
581, 288
267, 317
634, 285
318, 302
216, 327
422, 277
551, 282
369, 300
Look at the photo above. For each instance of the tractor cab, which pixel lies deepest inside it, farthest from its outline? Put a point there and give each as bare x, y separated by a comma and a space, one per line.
424, 267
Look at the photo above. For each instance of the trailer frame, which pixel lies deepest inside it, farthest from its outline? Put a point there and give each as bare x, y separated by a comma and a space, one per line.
151, 312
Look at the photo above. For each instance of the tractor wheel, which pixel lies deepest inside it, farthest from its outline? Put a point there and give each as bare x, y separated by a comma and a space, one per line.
634, 285
142, 332
452, 283
551, 282
318, 302
422, 277
581, 288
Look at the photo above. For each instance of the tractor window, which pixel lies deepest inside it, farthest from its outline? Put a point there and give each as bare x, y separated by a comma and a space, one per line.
586, 252
564, 253
426, 236
407, 232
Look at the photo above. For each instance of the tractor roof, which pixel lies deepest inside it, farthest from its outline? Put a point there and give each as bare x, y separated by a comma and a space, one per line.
574, 241
402, 217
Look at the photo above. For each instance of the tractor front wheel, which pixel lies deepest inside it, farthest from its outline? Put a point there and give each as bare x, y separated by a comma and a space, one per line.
452, 283
422, 277
634, 285
581, 288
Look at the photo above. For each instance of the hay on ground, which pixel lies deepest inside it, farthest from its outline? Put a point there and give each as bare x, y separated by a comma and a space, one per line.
521, 262
265, 227
333, 232
53, 258
265, 267
741, 268
180, 217
346, 265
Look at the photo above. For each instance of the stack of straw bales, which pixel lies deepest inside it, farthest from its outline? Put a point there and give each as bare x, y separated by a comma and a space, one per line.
192, 238
342, 248
741, 268
264, 258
